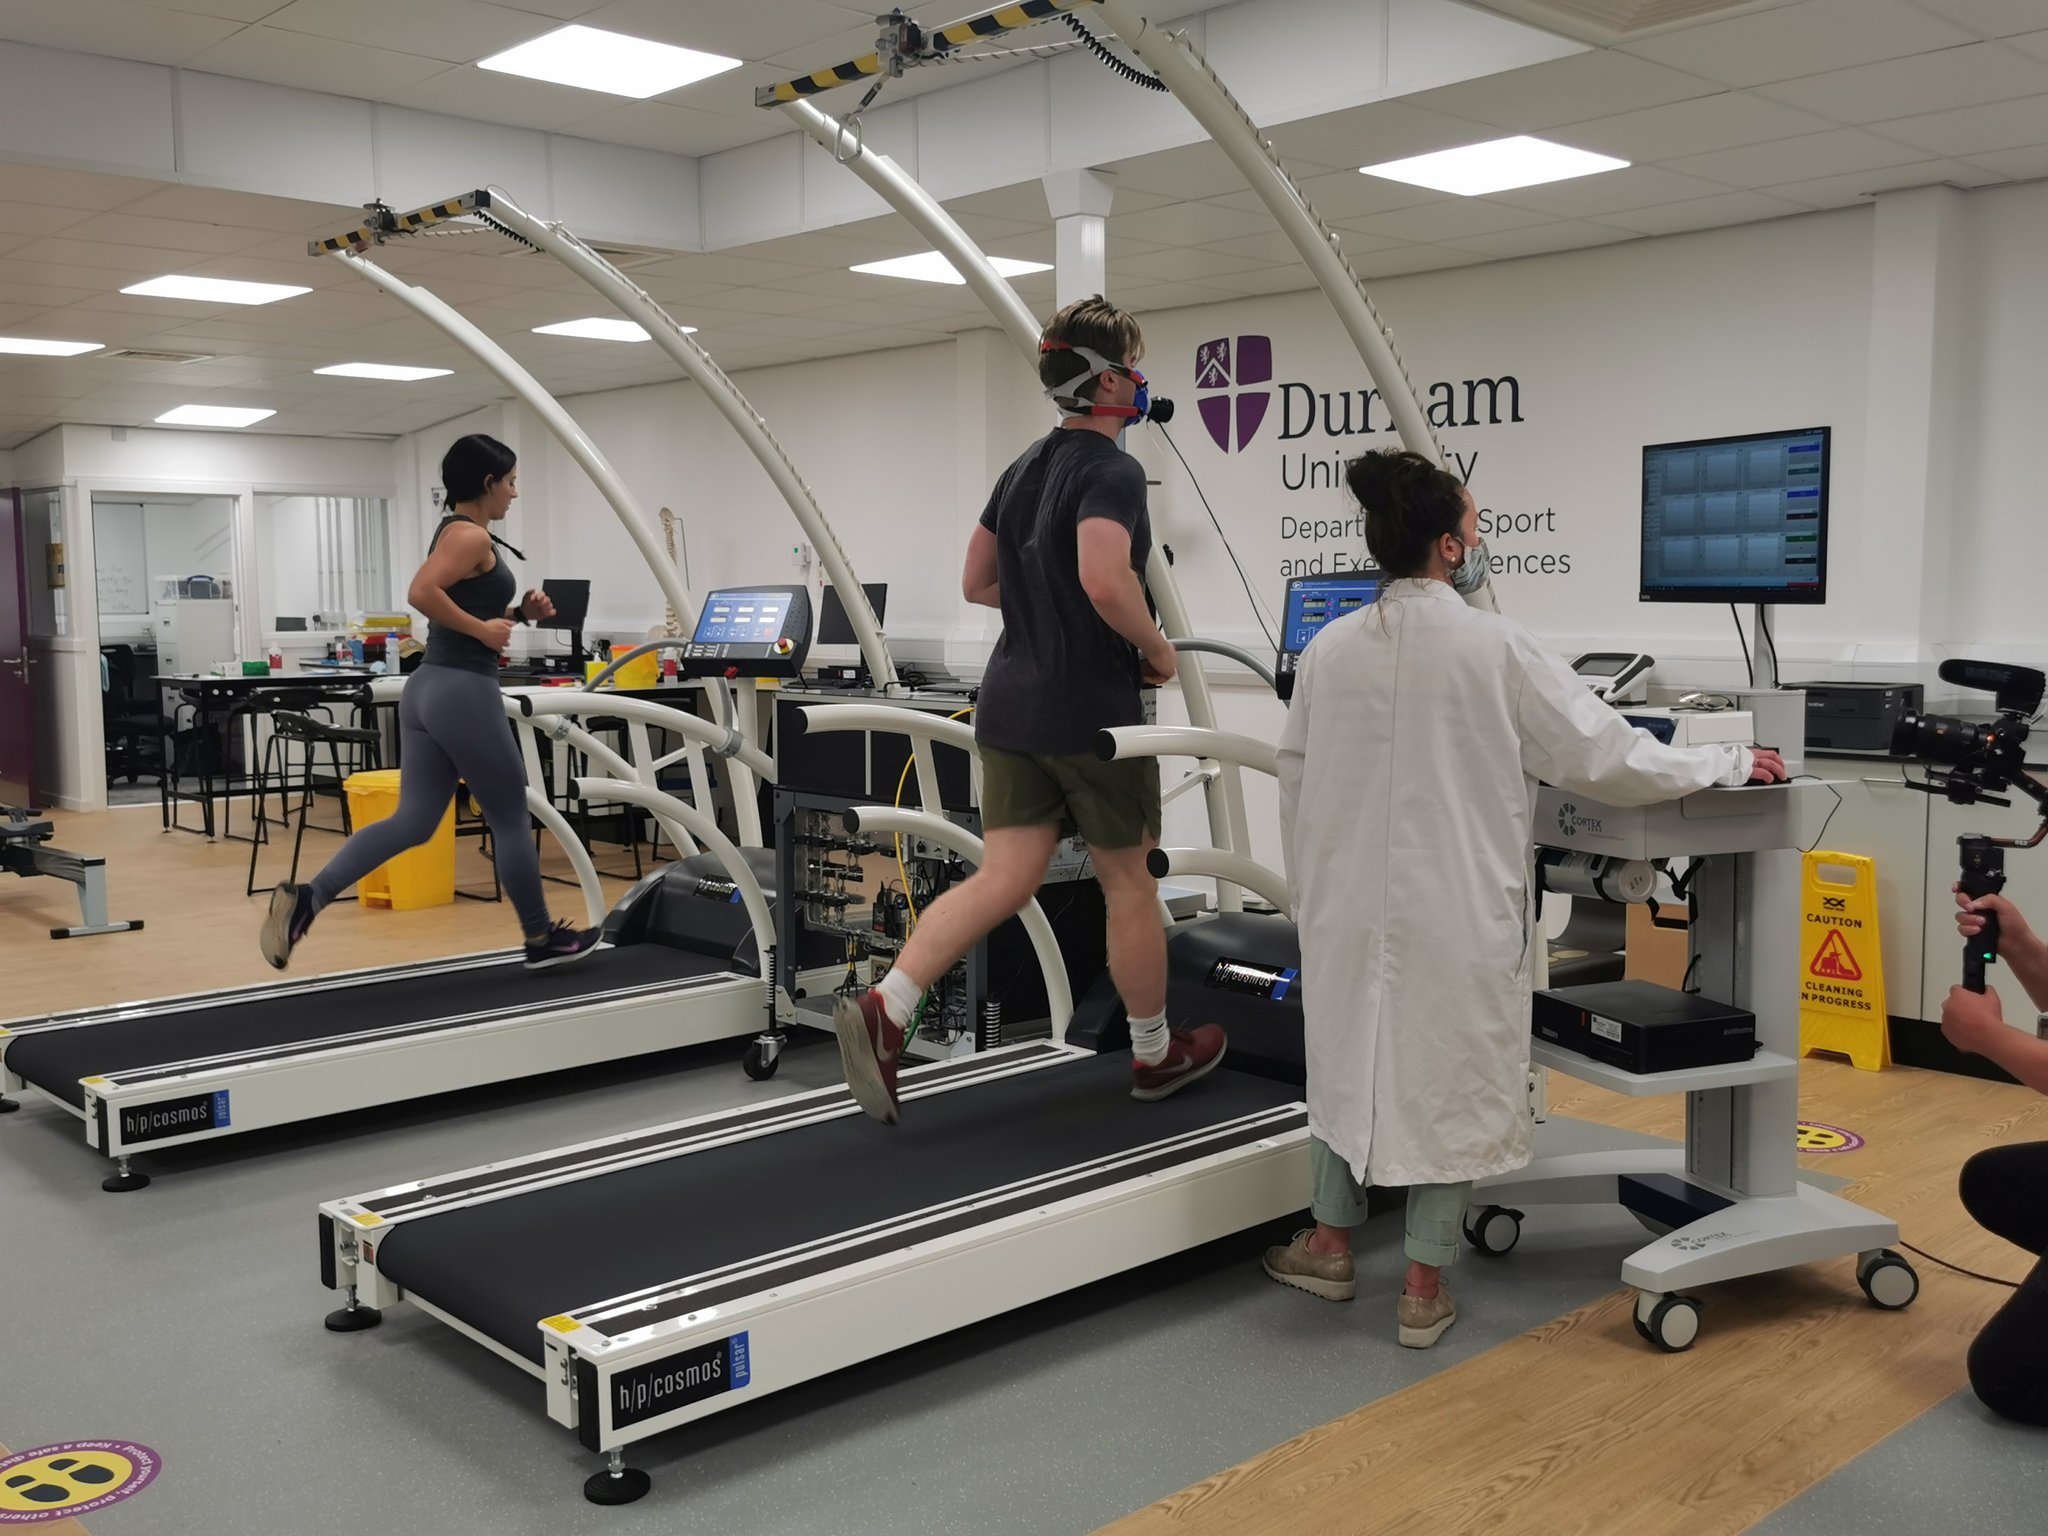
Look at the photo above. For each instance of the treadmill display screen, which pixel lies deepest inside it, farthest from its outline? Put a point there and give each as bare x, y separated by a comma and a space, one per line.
738, 618
1313, 601
750, 632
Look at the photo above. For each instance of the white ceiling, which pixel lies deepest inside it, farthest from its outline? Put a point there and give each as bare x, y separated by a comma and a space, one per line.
1809, 104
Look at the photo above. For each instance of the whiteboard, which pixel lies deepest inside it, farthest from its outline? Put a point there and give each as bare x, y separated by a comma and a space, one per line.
120, 559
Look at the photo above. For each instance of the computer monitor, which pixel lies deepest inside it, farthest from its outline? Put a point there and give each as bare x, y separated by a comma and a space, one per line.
1737, 519
572, 609
834, 627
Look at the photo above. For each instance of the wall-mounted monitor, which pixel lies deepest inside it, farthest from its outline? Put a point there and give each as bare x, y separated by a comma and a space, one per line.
1737, 519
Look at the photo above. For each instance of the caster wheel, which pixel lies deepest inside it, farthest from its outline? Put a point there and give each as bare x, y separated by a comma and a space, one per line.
1672, 1323
761, 1060
1635, 1316
1888, 1280
1493, 1229
620, 1487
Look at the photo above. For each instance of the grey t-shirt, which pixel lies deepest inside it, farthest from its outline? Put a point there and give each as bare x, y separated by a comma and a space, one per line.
1059, 674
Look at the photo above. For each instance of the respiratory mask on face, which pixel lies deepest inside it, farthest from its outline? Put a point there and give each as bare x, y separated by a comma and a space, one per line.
1142, 408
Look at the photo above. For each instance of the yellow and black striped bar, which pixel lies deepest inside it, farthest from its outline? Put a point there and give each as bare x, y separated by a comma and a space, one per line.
975, 29
388, 224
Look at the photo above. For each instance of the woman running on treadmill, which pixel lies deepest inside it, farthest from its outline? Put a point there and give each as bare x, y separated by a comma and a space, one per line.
452, 719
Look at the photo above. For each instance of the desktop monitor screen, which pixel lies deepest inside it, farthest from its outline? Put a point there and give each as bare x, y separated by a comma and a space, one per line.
1313, 601
1737, 519
572, 603
834, 628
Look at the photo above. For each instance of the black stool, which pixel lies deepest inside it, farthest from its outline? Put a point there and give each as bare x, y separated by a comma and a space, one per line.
289, 726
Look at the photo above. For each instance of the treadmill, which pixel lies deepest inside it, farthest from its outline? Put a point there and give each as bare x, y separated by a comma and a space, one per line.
148, 1076
655, 1278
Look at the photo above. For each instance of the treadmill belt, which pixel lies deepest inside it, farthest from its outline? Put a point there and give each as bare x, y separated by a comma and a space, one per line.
55, 1060
503, 1265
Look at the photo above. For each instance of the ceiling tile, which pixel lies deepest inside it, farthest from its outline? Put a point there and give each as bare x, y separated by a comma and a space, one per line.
484, 97
1378, 131
1447, 221
1543, 239
316, 63
1927, 82
1544, 95
1703, 213
1194, 171
232, 10
1266, 280
457, 31
38, 218
1189, 264
754, 31
2033, 44
1802, 39
2028, 164
1415, 258
1844, 191
114, 265
69, 189
1342, 195
1586, 197
1811, 155
118, 29
1277, 248
1696, 127
164, 234
249, 210
1991, 18
1970, 131
1189, 224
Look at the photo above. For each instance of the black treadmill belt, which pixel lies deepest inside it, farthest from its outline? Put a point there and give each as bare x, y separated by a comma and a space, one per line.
502, 1266
56, 1060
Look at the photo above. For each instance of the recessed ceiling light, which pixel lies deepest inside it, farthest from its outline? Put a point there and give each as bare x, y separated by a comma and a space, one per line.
1496, 166
29, 346
600, 328
383, 371
215, 290
213, 416
612, 62
931, 267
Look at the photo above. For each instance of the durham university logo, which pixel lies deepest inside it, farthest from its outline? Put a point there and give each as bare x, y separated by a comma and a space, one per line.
1223, 370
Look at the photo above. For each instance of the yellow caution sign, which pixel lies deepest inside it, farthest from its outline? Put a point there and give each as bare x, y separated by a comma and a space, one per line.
1841, 966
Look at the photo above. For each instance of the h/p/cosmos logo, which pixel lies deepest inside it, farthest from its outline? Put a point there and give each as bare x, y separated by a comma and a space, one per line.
1225, 371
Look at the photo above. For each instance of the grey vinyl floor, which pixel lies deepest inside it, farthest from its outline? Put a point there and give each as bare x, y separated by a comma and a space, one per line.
186, 1317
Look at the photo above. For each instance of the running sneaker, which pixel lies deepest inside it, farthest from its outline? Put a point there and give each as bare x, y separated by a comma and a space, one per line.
565, 942
291, 914
870, 1049
1191, 1054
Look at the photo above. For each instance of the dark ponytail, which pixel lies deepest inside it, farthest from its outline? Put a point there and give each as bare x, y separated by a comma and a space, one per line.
1409, 501
469, 466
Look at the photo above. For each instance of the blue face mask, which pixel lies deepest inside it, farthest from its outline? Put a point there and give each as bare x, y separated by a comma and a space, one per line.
1470, 574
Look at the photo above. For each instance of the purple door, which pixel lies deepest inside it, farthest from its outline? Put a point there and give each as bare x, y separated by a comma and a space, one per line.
17, 702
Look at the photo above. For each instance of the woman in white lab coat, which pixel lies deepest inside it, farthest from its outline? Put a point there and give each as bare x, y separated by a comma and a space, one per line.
1408, 770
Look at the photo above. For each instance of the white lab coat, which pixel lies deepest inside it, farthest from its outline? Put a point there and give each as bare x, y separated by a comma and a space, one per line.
1408, 771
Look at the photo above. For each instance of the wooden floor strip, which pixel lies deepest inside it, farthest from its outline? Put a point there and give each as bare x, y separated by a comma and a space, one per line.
1578, 1428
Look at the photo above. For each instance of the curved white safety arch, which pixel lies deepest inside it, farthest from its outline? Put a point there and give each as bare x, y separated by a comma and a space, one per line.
668, 809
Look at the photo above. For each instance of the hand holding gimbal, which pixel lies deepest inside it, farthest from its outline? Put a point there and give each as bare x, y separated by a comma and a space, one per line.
1983, 760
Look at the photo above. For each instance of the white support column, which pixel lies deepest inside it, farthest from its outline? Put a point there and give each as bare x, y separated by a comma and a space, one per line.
1079, 202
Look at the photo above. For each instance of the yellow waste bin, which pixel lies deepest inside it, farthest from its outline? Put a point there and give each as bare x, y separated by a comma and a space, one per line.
419, 877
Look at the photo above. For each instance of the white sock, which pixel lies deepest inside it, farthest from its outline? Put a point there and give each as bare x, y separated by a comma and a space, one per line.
899, 996
1148, 1040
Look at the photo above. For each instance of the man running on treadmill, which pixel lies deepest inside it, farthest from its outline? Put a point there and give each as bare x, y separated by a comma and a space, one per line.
1059, 550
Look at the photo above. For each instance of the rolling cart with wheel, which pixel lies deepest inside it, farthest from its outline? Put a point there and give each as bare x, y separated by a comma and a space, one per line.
1729, 1202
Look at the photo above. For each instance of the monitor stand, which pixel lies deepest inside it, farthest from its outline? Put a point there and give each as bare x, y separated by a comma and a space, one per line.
1763, 648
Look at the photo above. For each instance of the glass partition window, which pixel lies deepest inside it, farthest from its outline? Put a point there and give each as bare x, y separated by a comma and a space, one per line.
163, 572
321, 560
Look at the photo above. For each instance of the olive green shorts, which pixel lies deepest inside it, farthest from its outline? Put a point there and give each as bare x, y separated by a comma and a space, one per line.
1111, 805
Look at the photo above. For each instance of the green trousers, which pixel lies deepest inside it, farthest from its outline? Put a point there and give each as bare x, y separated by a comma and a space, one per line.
1436, 1212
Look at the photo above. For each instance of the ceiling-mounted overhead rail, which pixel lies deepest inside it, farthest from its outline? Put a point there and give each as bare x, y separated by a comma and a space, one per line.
902, 43
495, 208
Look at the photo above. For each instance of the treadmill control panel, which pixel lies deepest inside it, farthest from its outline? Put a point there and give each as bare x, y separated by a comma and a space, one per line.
1312, 603
750, 632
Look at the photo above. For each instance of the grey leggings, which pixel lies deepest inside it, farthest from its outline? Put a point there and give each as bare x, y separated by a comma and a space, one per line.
452, 725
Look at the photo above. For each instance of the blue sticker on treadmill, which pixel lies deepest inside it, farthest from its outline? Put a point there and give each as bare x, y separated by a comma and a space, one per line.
1287, 979
734, 898
220, 1110
742, 1370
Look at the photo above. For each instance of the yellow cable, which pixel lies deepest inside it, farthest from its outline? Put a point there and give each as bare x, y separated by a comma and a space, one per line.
902, 779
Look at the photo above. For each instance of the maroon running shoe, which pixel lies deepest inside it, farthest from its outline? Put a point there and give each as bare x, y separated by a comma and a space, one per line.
1191, 1054
870, 1048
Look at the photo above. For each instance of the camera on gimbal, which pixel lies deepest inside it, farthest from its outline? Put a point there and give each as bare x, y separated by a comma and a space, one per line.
1982, 760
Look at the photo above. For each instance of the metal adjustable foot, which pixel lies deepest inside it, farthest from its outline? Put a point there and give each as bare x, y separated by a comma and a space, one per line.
354, 1317
617, 1484
124, 1179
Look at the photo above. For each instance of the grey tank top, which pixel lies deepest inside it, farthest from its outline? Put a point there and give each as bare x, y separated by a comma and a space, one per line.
481, 597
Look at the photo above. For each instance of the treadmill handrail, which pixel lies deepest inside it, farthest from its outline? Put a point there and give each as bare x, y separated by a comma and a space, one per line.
706, 831
1263, 671
921, 726
1219, 864
1051, 964
576, 702
1186, 741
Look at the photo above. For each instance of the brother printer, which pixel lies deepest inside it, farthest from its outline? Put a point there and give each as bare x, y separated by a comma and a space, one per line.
1856, 717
